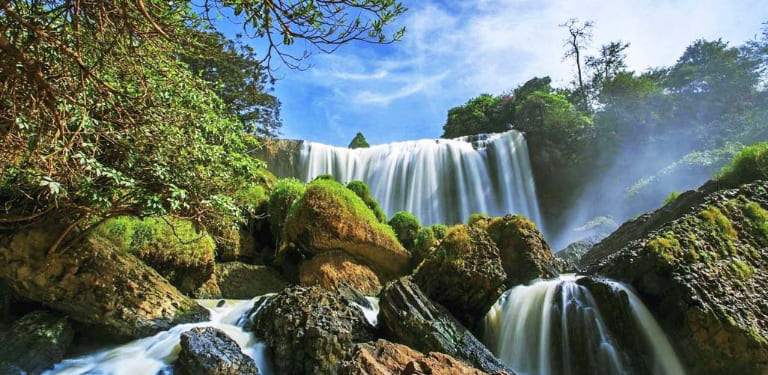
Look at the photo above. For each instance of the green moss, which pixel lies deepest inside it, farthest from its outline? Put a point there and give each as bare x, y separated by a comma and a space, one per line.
285, 193
758, 217
325, 177
364, 192
427, 239
713, 216
668, 247
750, 164
405, 225
740, 269
672, 196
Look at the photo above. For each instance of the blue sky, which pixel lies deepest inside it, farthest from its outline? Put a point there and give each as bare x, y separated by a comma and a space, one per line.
455, 50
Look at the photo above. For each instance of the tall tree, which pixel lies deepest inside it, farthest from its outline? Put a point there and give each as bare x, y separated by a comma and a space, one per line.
579, 37
610, 61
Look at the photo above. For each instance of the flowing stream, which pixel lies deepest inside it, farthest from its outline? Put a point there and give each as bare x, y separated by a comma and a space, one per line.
156, 354
554, 327
440, 181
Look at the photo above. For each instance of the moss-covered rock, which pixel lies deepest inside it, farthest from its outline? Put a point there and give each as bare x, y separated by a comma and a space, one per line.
94, 283
364, 192
285, 193
36, 342
704, 276
333, 269
329, 217
524, 253
239, 280
405, 225
427, 239
238, 242
310, 330
172, 247
464, 274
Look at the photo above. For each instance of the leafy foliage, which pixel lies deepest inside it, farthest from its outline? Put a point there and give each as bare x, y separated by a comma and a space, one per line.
479, 115
359, 141
748, 165
405, 225
362, 190
285, 193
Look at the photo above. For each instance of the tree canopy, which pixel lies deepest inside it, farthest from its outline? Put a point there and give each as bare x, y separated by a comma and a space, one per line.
359, 141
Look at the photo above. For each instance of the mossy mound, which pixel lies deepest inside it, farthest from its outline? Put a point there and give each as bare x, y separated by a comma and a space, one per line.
427, 239
405, 225
524, 253
704, 276
334, 269
172, 247
464, 274
364, 192
329, 216
286, 192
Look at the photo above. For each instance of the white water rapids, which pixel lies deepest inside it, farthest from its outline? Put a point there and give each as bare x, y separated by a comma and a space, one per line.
439, 181
554, 327
156, 354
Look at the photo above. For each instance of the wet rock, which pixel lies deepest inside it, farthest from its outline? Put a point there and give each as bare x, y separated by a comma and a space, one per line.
331, 217
704, 274
242, 281
335, 268
524, 253
382, 357
35, 343
209, 351
407, 316
464, 274
571, 255
310, 330
93, 283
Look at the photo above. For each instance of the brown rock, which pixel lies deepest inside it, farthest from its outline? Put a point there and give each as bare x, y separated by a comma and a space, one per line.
238, 280
334, 268
524, 253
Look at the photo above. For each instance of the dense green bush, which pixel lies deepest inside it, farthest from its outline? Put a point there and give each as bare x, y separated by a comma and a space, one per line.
364, 192
748, 165
286, 192
405, 225
427, 239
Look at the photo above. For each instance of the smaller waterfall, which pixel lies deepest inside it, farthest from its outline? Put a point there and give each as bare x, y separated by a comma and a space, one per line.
554, 327
440, 181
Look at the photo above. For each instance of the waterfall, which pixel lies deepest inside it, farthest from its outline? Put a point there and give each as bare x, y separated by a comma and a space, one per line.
440, 181
554, 327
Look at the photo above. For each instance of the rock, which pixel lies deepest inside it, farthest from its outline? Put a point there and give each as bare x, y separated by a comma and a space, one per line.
209, 290
173, 247
407, 316
331, 217
464, 274
236, 245
571, 255
427, 240
310, 330
382, 357
36, 342
209, 351
6, 297
524, 253
238, 280
704, 276
282, 156
334, 268
93, 283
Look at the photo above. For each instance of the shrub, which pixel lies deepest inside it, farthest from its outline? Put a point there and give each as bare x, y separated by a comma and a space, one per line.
672, 196
405, 225
359, 141
285, 193
748, 165
364, 192
427, 239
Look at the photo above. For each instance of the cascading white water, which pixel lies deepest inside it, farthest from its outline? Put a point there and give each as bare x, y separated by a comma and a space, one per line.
151, 355
440, 181
554, 327
154, 355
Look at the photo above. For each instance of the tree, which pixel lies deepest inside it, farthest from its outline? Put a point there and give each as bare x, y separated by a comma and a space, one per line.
101, 118
234, 73
478, 115
579, 37
359, 141
610, 62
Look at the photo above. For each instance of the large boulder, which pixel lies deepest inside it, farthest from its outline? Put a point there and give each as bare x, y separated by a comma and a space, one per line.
93, 283
35, 343
335, 268
209, 351
524, 253
310, 330
329, 217
407, 316
238, 280
173, 247
703, 275
464, 274
382, 357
